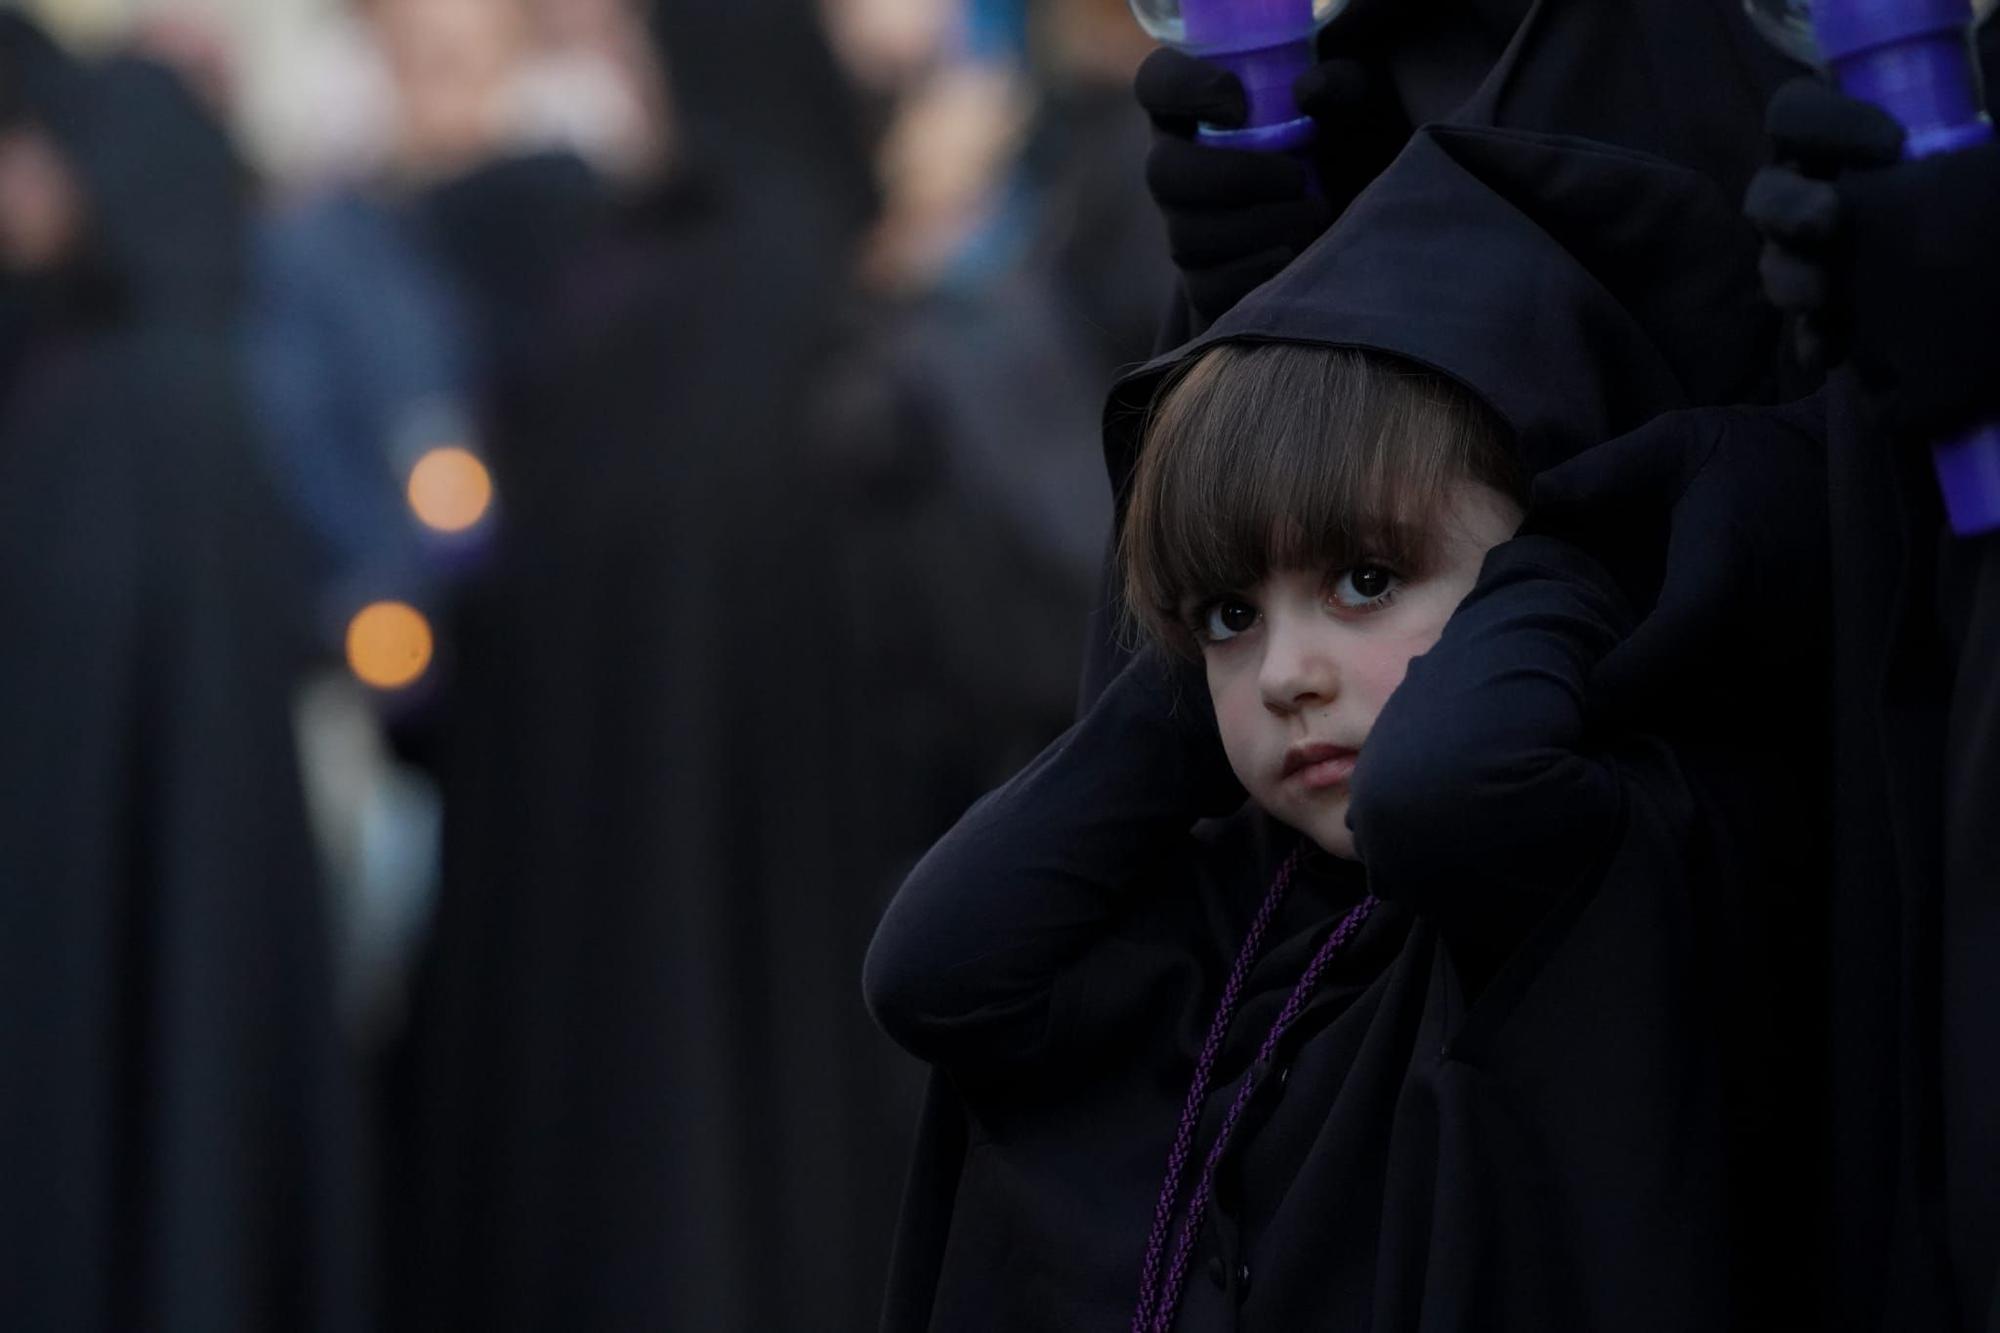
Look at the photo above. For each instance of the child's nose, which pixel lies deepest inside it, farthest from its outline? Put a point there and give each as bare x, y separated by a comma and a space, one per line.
1299, 671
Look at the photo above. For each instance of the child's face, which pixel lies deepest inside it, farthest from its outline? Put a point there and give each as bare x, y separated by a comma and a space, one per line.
1300, 665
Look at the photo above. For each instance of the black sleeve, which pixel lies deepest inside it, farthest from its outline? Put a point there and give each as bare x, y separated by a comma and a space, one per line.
1478, 793
963, 966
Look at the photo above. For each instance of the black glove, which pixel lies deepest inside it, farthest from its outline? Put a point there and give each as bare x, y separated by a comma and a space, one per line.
1714, 524
1817, 135
1891, 264
1235, 218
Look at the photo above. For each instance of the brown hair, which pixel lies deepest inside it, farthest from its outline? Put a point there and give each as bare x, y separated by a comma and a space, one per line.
1270, 456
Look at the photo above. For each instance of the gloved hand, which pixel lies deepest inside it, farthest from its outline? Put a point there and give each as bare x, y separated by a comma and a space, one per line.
1891, 264
1714, 523
1235, 218
1817, 135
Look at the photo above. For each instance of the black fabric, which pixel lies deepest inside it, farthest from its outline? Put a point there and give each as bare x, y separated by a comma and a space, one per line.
1684, 518
1889, 262
33, 70
758, 95
1891, 689
1625, 74
1430, 1153
1886, 261
503, 234
638, 1091
1235, 218
1685, 81
1918, 1239
1925, 282
1098, 237
1575, 945
175, 1126
959, 439
627, 1085
1476, 229
1913, 883
1970, 931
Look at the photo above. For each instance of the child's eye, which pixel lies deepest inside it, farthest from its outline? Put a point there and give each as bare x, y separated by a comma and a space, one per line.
1365, 587
1226, 618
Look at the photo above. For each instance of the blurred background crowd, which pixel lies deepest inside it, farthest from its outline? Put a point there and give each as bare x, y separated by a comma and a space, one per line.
521, 519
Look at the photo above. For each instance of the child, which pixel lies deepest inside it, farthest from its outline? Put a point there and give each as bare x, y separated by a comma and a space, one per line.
1467, 1021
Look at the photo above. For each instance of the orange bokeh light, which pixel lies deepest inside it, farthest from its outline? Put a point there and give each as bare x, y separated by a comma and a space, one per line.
450, 489
389, 645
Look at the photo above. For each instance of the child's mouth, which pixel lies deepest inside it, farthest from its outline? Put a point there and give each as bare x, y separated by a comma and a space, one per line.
1319, 766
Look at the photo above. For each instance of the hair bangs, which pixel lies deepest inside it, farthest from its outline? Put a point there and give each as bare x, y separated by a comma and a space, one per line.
1283, 456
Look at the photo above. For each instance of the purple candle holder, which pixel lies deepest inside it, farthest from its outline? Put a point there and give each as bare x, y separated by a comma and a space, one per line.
1267, 44
1915, 60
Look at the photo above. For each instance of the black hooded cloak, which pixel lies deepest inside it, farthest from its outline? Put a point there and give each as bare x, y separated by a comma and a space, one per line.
1912, 887
1892, 683
1547, 1086
637, 1090
174, 1130
1684, 80
1916, 863
1687, 81
1971, 931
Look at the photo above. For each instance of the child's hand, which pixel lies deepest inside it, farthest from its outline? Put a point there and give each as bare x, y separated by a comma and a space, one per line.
1234, 218
1715, 524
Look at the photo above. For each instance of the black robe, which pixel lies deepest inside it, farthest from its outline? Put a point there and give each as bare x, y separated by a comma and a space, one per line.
175, 1130
1915, 870
1687, 81
638, 1091
1607, 1132
1970, 929
1916, 1146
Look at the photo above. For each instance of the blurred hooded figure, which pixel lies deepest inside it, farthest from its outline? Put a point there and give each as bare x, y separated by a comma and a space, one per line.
1016, 266
173, 1125
387, 305
383, 304
638, 1089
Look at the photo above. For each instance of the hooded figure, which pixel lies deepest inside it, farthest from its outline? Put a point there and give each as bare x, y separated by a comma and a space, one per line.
1685, 81
1888, 262
637, 1091
174, 1124
1554, 1081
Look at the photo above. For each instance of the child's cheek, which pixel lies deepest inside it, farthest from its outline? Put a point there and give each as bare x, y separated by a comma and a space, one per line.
1239, 711
1378, 672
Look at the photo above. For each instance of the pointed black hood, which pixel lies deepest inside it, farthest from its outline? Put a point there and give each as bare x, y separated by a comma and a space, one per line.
1686, 79
1576, 288
758, 96
34, 71
166, 193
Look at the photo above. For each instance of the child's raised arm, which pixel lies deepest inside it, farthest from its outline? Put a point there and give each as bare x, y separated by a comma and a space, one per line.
1480, 793
964, 964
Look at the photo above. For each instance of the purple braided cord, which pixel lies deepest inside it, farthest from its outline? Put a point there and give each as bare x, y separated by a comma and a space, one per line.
1204, 1069
1170, 1296
1161, 1304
